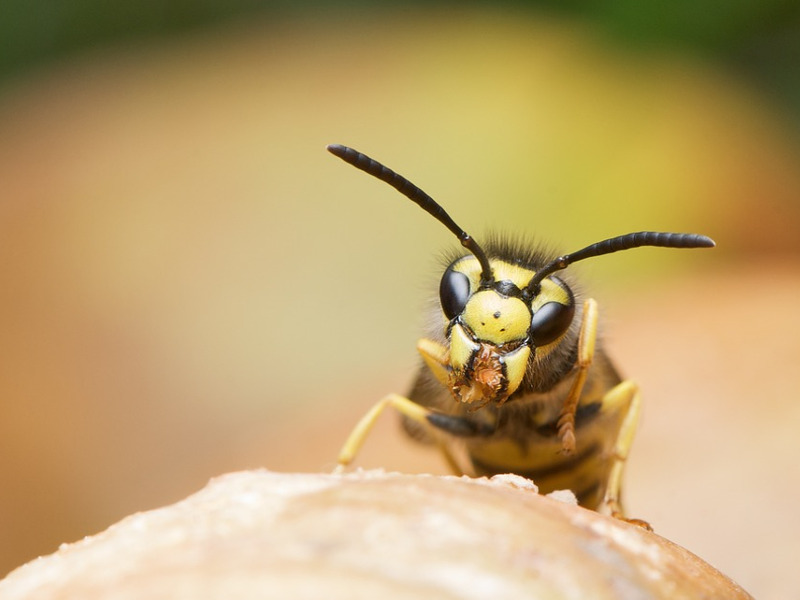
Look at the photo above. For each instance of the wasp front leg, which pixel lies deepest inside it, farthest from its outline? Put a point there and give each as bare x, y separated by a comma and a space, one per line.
435, 356
358, 436
586, 345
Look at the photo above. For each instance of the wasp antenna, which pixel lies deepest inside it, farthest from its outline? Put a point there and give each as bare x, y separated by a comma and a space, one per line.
621, 242
415, 194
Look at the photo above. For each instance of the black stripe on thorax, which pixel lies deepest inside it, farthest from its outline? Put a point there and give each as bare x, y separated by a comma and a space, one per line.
570, 463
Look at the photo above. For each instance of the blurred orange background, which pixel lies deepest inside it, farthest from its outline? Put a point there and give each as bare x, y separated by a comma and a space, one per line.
190, 284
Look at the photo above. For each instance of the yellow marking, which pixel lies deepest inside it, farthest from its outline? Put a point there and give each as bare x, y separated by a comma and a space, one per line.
516, 364
550, 292
461, 347
495, 319
470, 266
510, 457
436, 357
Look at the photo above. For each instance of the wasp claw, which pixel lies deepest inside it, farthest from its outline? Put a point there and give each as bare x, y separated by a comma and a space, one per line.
567, 441
638, 522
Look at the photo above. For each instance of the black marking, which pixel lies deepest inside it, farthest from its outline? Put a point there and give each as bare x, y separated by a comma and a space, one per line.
496, 315
551, 321
507, 289
460, 426
541, 473
589, 496
584, 414
453, 292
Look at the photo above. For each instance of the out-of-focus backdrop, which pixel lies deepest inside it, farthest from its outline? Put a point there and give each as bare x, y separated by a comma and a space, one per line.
190, 284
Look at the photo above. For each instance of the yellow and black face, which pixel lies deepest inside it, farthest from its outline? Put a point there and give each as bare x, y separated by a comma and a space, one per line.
493, 328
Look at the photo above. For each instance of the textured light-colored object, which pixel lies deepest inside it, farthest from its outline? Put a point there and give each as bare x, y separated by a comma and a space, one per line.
366, 535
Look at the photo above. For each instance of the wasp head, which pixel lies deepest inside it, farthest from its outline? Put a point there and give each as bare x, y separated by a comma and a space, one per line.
495, 326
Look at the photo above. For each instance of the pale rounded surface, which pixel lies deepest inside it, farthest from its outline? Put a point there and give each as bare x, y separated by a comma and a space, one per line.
367, 535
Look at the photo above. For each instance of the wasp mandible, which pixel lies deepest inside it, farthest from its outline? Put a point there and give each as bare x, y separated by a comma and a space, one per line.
514, 377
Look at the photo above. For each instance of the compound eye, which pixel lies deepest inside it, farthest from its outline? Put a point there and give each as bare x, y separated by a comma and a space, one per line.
550, 322
453, 292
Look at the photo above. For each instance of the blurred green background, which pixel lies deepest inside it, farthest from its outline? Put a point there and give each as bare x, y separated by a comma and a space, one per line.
190, 284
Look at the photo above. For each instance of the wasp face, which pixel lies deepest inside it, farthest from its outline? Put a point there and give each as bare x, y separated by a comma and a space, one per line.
494, 329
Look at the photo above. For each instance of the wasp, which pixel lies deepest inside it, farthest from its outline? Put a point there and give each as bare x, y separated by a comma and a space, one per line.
514, 376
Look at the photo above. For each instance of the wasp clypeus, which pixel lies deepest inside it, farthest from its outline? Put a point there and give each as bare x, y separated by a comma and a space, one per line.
514, 377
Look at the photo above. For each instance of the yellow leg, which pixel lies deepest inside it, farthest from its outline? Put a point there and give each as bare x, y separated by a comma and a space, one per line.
623, 399
586, 342
356, 439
